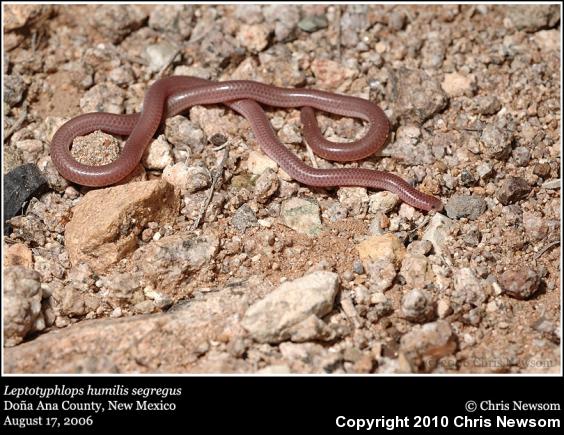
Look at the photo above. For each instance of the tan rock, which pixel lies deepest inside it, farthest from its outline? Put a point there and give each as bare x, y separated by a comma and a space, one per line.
21, 304
331, 75
381, 274
172, 342
18, 254
383, 201
188, 179
354, 199
170, 261
417, 306
417, 271
254, 37
258, 162
384, 247
548, 40
158, 154
105, 224
211, 120
456, 84
437, 232
17, 16
293, 310
443, 308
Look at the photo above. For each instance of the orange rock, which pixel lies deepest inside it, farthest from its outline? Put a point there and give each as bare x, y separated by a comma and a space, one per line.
106, 223
384, 247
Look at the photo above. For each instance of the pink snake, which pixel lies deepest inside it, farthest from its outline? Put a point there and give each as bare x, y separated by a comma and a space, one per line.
172, 95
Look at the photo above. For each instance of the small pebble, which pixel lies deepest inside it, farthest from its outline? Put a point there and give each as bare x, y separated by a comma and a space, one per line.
313, 23
218, 139
513, 189
472, 236
552, 184
496, 142
358, 268
484, 170
471, 207
244, 218
467, 178
443, 308
521, 156
188, 179
159, 55
420, 247
521, 283
488, 104
417, 306
542, 170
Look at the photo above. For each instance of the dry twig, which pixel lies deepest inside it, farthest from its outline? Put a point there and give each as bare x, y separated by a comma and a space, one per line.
311, 156
216, 176
546, 248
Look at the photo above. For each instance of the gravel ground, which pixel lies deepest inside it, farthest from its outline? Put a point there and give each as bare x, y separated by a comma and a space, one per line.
273, 276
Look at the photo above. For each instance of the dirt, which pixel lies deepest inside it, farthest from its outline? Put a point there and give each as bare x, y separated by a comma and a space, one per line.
463, 85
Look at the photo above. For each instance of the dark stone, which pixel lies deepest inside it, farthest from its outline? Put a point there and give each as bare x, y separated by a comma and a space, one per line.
467, 178
512, 190
542, 170
218, 139
20, 185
